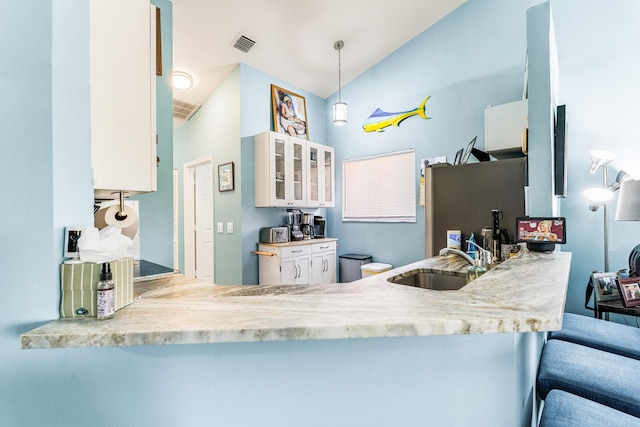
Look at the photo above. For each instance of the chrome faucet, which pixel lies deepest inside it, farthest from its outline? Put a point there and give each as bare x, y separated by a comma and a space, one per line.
447, 251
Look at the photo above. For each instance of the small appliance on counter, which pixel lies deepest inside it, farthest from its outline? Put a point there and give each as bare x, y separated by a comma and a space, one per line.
319, 226
292, 220
307, 226
274, 235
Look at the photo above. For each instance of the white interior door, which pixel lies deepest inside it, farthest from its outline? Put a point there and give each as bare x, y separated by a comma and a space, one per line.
203, 222
198, 219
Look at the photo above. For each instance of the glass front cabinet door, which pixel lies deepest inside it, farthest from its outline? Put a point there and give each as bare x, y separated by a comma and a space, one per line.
321, 172
279, 170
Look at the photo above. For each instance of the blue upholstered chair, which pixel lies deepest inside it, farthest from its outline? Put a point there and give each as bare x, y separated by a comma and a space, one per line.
562, 409
600, 334
596, 375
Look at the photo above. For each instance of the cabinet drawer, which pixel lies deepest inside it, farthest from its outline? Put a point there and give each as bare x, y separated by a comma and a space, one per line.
317, 248
294, 251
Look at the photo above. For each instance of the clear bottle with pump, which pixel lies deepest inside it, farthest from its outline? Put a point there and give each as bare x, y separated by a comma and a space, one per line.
471, 250
477, 269
106, 295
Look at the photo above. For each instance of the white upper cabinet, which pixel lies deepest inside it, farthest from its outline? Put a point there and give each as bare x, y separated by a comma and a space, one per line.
123, 97
279, 170
321, 172
292, 172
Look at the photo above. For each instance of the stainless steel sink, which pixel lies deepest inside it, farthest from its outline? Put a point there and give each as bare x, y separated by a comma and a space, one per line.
429, 279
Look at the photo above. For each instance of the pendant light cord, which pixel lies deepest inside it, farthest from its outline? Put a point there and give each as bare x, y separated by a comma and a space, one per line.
338, 46
339, 77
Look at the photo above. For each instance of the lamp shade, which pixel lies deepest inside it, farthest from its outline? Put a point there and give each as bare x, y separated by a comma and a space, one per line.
340, 113
598, 195
599, 158
629, 201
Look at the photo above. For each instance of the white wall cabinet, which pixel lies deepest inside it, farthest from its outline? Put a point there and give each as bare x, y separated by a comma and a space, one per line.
323, 263
299, 263
123, 96
292, 172
321, 172
279, 170
504, 128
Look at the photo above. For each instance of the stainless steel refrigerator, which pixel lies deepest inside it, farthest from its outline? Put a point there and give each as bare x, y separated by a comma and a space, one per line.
461, 197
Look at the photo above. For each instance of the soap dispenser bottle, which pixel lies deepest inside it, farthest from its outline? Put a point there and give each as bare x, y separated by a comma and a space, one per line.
106, 295
477, 269
471, 250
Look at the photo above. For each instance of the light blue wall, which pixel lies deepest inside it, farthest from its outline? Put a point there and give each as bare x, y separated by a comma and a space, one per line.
286, 381
224, 128
541, 51
215, 131
599, 71
473, 58
256, 117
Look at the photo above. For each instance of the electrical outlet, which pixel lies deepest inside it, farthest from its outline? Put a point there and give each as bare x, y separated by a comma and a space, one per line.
220, 228
229, 227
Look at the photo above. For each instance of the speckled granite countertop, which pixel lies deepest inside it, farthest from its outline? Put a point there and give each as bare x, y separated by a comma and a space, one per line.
525, 293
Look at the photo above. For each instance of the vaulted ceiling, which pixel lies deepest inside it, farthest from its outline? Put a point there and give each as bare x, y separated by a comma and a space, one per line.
294, 39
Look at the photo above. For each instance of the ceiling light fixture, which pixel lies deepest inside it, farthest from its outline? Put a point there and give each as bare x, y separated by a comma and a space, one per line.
339, 108
182, 80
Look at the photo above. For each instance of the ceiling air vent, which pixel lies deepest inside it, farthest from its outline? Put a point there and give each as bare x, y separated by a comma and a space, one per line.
184, 110
243, 43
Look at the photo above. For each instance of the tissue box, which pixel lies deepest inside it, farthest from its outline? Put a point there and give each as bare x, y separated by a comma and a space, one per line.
79, 286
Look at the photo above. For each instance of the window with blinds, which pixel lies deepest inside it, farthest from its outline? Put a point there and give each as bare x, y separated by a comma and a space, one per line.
380, 188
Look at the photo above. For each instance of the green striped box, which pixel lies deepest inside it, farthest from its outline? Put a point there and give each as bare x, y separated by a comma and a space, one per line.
79, 284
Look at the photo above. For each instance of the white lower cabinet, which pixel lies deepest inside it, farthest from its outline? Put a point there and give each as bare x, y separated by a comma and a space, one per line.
323, 263
302, 263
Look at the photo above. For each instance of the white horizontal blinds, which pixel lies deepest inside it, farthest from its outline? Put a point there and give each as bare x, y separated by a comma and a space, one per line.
380, 188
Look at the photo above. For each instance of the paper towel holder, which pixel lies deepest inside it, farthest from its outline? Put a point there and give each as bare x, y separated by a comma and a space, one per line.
121, 215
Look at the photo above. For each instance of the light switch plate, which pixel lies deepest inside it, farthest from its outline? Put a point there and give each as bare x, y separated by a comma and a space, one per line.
229, 227
220, 228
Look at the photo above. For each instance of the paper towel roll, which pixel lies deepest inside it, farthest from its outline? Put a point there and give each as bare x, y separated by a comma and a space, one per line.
108, 216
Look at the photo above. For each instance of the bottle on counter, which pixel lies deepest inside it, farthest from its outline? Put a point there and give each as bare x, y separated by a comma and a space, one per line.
477, 269
106, 295
471, 250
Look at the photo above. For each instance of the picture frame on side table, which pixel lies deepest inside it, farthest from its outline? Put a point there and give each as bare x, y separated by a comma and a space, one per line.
606, 285
630, 291
289, 113
225, 177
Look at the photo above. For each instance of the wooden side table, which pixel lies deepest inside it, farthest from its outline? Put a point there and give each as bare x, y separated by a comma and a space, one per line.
605, 304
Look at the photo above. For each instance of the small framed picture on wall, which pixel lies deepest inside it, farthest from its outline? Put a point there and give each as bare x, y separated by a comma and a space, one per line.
225, 177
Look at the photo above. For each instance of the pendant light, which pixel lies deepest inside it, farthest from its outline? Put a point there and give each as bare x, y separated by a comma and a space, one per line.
339, 108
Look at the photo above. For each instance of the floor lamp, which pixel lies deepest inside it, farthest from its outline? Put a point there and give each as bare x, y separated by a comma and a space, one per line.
599, 196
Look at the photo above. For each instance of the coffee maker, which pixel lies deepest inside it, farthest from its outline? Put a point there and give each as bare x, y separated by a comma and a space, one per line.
307, 226
319, 225
292, 219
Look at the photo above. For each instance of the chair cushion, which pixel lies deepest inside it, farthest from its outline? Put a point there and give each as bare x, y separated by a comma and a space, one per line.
597, 375
562, 409
601, 334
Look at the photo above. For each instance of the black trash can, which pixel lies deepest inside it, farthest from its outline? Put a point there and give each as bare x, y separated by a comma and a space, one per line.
349, 266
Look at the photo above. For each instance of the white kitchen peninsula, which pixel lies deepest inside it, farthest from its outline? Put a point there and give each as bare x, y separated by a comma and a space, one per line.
486, 337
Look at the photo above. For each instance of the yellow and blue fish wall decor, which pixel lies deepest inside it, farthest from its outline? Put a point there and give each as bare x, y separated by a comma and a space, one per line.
379, 120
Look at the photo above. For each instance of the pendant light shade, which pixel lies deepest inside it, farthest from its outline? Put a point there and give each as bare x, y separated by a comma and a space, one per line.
339, 108
340, 113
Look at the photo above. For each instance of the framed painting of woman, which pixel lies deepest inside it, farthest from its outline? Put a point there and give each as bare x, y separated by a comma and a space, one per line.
289, 113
